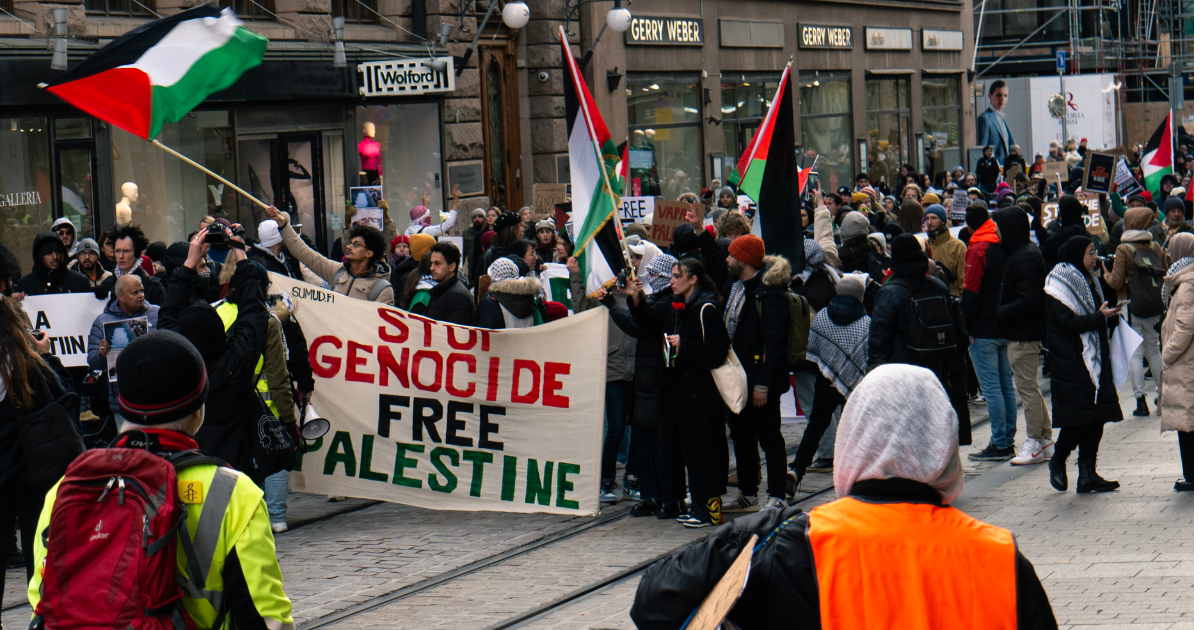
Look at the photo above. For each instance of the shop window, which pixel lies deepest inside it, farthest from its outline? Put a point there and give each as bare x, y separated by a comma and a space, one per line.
251, 9
941, 105
664, 134
825, 127
410, 158
120, 8
356, 11
745, 99
888, 117
26, 206
169, 197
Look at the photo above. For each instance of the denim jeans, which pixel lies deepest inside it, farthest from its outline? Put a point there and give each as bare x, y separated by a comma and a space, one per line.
618, 403
990, 357
805, 383
275, 489
1149, 350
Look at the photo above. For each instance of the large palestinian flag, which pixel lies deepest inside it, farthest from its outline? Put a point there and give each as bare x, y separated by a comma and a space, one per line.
768, 174
595, 187
156, 73
1159, 158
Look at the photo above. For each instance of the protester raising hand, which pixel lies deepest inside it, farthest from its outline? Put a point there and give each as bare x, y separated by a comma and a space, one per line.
694, 218
274, 214
196, 250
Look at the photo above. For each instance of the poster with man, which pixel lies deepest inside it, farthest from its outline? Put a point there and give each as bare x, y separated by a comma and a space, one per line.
990, 126
366, 201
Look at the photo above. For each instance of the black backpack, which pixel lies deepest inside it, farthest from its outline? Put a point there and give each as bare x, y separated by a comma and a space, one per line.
931, 335
1145, 286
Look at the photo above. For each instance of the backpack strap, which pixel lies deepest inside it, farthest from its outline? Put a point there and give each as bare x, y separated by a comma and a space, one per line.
199, 551
377, 288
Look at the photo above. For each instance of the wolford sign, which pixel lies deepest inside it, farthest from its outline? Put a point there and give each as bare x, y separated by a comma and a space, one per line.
665, 31
405, 76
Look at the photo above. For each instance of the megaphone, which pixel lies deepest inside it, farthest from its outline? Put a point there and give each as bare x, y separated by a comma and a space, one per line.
313, 427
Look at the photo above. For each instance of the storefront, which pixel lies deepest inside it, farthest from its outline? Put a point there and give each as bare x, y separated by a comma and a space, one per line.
877, 85
301, 135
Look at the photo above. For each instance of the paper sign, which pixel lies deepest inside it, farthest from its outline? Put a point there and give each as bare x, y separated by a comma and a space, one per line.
1098, 172
635, 209
1054, 170
958, 207
366, 205
67, 318
120, 334
667, 216
1124, 183
1011, 174
641, 158
546, 195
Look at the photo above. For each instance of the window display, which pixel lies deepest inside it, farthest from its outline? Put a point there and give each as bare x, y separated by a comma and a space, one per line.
25, 198
664, 134
825, 127
887, 129
942, 108
408, 163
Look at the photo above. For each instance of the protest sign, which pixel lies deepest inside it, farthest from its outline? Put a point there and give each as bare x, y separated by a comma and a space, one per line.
1054, 170
1124, 183
1010, 176
366, 203
635, 209
545, 196
1098, 172
120, 334
958, 207
1091, 219
667, 216
67, 318
451, 417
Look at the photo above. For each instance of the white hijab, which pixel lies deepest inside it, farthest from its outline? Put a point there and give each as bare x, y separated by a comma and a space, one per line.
898, 422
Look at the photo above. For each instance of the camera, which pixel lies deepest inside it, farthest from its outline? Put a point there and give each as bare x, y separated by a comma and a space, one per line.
214, 234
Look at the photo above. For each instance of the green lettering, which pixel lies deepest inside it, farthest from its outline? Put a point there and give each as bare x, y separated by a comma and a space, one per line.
364, 471
477, 459
536, 488
565, 486
314, 447
403, 462
508, 483
435, 456
341, 449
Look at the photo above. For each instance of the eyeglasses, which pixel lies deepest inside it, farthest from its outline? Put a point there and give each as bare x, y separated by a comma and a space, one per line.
355, 244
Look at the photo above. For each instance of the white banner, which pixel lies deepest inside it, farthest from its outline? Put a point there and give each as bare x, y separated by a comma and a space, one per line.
636, 209
67, 318
451, 417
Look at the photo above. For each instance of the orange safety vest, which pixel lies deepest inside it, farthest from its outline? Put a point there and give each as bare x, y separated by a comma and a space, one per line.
912, 566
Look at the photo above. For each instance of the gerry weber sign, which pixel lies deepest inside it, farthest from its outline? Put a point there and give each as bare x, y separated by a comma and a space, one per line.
666, 31
406, 76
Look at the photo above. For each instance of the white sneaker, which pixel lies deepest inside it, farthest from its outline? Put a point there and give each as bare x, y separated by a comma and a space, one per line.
1032, 452
740, 503
1048, 452
279, 528
774, 503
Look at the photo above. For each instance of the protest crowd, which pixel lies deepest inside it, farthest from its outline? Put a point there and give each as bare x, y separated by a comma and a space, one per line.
909, 304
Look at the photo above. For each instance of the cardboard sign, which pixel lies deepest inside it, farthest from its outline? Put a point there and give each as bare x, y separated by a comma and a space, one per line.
1093, 220
636, 209
1011, 174
546, 195
1098, 172
958, 207
1124, 183
667, 216
1054, 170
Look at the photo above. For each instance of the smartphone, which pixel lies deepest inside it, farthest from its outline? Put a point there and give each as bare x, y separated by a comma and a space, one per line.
1122, 303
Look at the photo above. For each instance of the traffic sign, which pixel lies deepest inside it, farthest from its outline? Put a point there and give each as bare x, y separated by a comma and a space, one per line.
1061, 61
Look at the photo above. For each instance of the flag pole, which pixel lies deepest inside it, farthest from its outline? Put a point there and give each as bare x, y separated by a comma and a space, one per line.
218, 177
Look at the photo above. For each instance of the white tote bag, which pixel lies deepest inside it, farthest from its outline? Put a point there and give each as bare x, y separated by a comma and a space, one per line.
730, 377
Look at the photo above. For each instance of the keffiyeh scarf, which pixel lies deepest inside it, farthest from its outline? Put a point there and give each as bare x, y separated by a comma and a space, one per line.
1069, 286
840, 351
1175, 267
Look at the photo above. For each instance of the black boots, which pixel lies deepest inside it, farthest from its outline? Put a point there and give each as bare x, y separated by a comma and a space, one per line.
1058, 474
1142, 409
1090, 480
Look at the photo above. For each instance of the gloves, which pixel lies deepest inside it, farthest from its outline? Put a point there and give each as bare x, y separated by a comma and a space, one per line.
293, 431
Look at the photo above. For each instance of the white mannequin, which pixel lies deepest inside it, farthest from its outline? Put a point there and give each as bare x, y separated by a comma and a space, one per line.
129, 192
369, 129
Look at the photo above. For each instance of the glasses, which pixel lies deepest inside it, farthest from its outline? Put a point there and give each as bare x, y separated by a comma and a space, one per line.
355, 244
63, 231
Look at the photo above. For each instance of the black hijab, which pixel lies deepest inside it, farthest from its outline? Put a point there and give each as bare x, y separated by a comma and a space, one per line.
1073, 250
908, 258
1070, 210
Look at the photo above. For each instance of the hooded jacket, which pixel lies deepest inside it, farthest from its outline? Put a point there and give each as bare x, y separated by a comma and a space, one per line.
1070, 214
517, 296
760, 340
981, 284
1178, 353
1021, 310
889, 337
341, 280
113, 313
1136, 236
74, 249
45, 281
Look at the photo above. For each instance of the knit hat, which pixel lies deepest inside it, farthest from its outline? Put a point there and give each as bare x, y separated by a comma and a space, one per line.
545, 224
855, 224
486, 239
1178, 191
748, 249
400, 238
418, 244
635, 229
658, 272
977, 215
419, 215
268, 233
503, 269
934, 209
1003, 190
479, 212
930, 198
726, 190
975, 190
145, 396
852, 286
89, 244
507, 220
1172, 203
859, 197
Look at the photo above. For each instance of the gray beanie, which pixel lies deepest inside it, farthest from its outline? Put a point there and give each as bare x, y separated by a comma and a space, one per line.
855, 224
852, 286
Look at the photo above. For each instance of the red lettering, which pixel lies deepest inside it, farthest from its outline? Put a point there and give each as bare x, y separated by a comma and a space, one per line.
353, 361
325, 367
487, 342
393, 318
437, 370
551, 385
493, 374
387, 363
458, 345
428, 332
535, 372
458, 357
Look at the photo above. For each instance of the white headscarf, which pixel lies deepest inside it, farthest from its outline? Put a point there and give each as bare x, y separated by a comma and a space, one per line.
898, 422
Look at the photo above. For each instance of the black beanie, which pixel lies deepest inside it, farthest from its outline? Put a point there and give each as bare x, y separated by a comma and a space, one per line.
1070, 211
176, 255
908, 257
977, 215
162, 379
202, 326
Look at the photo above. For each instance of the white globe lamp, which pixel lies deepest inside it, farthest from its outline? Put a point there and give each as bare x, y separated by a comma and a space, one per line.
619, 19
516, 15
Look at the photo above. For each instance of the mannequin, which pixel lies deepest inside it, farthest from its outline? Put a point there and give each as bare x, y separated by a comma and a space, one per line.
369, 154
129, 192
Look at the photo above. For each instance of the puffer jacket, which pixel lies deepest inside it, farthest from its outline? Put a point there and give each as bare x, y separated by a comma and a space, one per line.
1136, 236
113, 313
760, 340
337, 274
520, 298
1021, 310
622, 347
981, 284
889, 338
43, 281
1178, 383
950, 253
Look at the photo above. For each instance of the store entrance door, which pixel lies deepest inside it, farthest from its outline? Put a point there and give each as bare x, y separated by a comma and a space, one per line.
294, 182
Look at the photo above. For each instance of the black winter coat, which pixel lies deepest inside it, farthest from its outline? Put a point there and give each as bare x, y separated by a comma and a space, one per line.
648, 357
855, 254
43, 281
1021, 311
760, 341
979, 307
689, 383
889, 336
781, 590
449, 302
11, 458
1075, 401
399, 274
233, 404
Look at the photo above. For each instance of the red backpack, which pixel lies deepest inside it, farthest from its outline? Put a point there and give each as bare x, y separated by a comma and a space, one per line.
111, 544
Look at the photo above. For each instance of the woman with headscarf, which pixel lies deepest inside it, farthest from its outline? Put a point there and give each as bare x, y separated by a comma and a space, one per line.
1070, 217
891, 550
1082, 393
1178, 387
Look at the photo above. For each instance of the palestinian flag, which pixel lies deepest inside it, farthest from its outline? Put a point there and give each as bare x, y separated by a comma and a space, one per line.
595, 186
765, 172
1159, 158
156, 73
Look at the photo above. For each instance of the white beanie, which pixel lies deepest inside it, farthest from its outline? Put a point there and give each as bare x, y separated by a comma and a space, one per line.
268, 233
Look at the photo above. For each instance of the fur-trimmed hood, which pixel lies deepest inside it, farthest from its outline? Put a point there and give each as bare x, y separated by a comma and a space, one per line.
776, 272
527, 285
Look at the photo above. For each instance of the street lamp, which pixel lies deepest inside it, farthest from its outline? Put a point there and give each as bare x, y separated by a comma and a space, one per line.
516, 15
619, 19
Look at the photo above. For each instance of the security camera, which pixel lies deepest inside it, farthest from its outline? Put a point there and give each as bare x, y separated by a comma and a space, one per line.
543, 76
